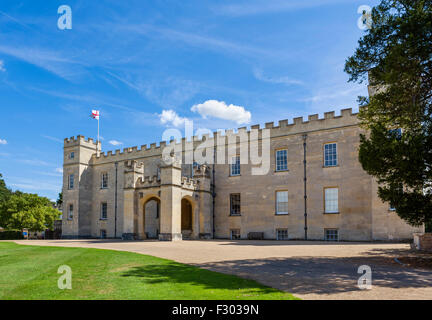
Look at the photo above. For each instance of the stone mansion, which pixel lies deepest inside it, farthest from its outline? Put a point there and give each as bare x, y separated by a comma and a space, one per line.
315, 187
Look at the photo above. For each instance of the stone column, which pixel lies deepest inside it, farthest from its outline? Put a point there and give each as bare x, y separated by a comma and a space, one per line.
170, 210
205, 203
133, 171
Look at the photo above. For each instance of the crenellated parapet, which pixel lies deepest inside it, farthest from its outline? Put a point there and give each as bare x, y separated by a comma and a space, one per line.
189, 183
284, 127
148, 182
81, 141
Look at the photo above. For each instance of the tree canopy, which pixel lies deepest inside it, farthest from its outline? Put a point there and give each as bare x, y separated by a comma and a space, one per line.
396, 54
22, 210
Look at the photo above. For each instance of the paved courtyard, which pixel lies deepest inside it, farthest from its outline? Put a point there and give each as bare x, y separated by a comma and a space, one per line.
309, 270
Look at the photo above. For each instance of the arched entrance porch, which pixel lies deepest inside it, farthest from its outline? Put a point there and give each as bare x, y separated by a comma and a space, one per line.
151, 218
186, 218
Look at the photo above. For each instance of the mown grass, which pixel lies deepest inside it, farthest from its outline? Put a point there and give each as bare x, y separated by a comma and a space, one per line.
30, 272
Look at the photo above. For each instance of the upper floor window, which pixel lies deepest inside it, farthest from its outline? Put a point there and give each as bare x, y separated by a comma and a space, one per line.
330, 155
104, 211
282, 202
235, 166
71, 211
282, 160
71, 181
104, 180
72, 155
235, 204
331, 200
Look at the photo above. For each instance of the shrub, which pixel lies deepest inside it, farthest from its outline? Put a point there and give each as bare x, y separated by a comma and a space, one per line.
11, 235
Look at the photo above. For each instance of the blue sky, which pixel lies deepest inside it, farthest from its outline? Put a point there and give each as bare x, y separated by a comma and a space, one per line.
148, 65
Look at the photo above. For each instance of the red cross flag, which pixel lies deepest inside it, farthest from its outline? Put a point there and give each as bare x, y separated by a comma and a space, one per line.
95, 114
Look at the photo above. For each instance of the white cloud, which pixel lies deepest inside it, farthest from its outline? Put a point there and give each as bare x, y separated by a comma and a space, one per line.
2, 68
220, 110
59, 170
2, 141
278, 80
115, 142
51, 61
170, 117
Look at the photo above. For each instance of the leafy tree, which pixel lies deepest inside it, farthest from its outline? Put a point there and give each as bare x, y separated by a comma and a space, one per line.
4, 191
59, 201
4, 195
29, 211
396, 53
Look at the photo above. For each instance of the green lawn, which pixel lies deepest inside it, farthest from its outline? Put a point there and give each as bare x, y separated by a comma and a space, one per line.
30, 272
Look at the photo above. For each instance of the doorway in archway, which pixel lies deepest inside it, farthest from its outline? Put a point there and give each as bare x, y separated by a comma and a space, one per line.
152, 218
186, 219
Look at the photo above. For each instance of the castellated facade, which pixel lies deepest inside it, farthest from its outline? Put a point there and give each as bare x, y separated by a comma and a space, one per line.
312, 184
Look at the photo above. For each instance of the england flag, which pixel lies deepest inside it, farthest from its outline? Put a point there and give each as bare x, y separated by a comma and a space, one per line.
95, 114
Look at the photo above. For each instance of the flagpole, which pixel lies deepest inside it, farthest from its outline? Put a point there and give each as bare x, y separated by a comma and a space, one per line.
98, 131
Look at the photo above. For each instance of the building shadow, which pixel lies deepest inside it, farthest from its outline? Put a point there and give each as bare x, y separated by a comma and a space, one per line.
297, 243
176, 273
324, 275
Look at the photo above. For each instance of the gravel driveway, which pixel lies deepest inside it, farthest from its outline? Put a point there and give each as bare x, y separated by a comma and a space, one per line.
309, 270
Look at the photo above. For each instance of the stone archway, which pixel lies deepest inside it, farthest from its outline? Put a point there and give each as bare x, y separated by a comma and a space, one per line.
151, 218
186, 219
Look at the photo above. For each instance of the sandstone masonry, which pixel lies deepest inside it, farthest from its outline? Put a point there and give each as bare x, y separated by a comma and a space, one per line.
135, 194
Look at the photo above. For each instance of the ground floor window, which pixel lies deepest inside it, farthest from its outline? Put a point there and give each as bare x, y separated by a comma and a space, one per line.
71, 212
235, 204
331, 200
103, 234
104, 211
331, 234
282, 234
235, 234
282, 202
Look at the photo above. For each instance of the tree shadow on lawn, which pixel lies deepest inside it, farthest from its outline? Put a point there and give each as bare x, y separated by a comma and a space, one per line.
185, 274
324, 275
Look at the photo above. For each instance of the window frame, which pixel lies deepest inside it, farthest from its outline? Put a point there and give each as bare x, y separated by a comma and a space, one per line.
69, 216
102, 211
276, 202
71, 182
282, 230
324, 198
237, 237
231, 204
324, 155
72, 155
276, 160
235, 165
102, 180
326, 234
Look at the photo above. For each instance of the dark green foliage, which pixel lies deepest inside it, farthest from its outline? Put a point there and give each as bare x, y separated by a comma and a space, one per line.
22, 210
11, 235
397, 55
